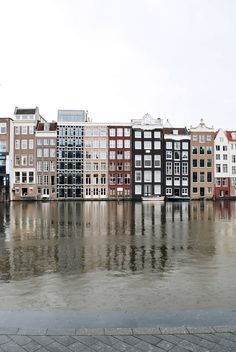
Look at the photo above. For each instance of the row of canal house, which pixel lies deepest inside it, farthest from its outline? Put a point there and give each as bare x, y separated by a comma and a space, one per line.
75, 158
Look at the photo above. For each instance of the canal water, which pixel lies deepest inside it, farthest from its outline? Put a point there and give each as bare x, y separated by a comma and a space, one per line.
117, 256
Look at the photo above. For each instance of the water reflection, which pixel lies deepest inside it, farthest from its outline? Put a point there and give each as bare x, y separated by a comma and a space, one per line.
79, 237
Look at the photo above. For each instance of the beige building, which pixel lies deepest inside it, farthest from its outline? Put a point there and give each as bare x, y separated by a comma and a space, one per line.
95, 173
46, 160
202, 161
23, 181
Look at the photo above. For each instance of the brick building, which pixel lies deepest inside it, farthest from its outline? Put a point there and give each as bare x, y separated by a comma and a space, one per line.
5, 157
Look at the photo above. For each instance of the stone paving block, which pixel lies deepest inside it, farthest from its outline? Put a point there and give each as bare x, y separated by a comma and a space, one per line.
4, 339
170, 338
153, 340
225, 328
12, 347
200, 329
124, 347
108, 340
147, 347
227, 335
192, 347
90, 332
100, 346
32, 346
64, 340
32, 332
79, 347
43, 340
57, 347
131, 340
199, 341
21, 340
146, 331
165, 345
8, 331
219, 348
63, 332
174, 330
118, 331
42, 349
87, 340
178, 349
209, 337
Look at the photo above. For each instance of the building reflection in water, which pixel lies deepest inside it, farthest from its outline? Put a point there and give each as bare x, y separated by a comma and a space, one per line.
125, 237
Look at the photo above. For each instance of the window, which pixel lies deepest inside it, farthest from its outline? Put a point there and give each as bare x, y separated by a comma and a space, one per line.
176, 168
168, 191
52, 166
138, 160
138, 189
39, 141
185, 146
217, 182
177, 145
103, 143
88, 179
24, 177
194, 150
233, 170
39, 153
202, 150
119, 166
209, 150
119, 132
147, 176
119, 154
3, 128
202, 177
95, 179
24, 130
127, 166
176, 181
147, 134
31, 129
218, 147
208, 138
127, 154
168, 154
3, 146
112, 166
127, 179
169, 181
168, 145
103, 179
185, 155
201, 139
39, 166
119, 179
88, 132
120, 143
233, 158
112, 132
45, 142
95, 143
169, 168
157, 161
209, 177
17, 144
194, 176
147, 161
112, 143
209, 163
103, 154
184, 191
39, 179
157, 134
52, 153
137, 134
112, 179
17, 177
202, 162
127, 132
177, 155
137, 145
217, 156
46, 152
95, 166
157, 189
185, 181
45, 180
148, 145
17, 130
157, 176
157, 145
45, 166
185, 168
127, 143
24, 160
24, 144
17, 160
225, 148
218, 168
194, 137
194, 162
225, 156
225, 168
103, 166
31, 177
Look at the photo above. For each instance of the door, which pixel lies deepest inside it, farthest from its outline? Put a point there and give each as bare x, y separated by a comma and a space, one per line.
147, 190
202, 191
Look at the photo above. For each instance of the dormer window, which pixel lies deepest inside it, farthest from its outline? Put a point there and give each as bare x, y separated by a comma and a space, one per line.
175, 132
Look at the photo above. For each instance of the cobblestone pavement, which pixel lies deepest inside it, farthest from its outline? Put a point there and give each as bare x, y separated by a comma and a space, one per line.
175, 339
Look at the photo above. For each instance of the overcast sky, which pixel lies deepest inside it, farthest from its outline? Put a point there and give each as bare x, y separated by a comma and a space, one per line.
119, 59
